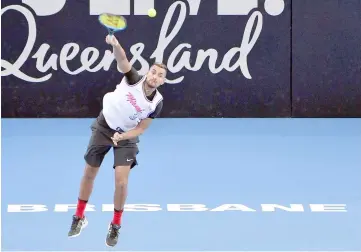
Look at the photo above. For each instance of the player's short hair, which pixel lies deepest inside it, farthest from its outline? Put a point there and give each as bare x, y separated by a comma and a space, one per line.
161, 65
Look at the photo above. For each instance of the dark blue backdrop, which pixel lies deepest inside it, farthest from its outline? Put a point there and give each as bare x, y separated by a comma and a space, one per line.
302, 61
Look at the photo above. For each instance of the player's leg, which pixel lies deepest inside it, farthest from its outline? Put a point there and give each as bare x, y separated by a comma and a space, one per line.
94, 157
86, 186
124, 161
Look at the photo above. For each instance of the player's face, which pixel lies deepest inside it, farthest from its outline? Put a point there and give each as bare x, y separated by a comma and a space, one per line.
156, 76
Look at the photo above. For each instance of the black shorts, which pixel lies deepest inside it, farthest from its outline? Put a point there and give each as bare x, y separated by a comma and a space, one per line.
100, 143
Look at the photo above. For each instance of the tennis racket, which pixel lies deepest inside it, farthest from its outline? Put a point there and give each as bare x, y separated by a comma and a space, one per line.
113, 23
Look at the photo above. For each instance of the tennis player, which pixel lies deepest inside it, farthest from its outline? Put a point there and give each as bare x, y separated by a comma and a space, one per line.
127, 113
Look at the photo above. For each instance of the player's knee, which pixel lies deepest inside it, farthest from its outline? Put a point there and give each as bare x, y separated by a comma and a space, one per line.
121, 176
90, 172
121, 182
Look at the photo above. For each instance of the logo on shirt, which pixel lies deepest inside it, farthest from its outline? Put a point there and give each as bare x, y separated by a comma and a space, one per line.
131, 99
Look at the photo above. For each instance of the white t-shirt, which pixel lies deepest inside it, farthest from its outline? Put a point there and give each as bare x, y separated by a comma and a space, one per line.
127, 105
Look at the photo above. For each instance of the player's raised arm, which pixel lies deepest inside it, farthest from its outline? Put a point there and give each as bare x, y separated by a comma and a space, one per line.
119, 54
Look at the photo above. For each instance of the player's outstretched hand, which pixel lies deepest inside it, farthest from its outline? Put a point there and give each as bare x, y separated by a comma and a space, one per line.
111, 40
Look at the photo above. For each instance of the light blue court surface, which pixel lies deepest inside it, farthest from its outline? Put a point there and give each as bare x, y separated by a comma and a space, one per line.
191, 161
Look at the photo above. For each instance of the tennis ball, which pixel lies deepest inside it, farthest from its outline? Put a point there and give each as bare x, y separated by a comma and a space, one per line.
152, 12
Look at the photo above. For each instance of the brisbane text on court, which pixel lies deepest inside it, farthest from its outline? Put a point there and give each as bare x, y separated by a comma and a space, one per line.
291, 208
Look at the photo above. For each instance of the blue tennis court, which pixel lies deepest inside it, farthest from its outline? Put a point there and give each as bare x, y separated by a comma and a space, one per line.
202, 184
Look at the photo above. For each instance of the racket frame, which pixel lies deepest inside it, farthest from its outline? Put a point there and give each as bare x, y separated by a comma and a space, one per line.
112, 30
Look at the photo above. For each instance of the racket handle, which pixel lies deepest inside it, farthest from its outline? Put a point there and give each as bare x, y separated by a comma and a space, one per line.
111, 32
